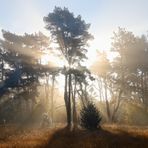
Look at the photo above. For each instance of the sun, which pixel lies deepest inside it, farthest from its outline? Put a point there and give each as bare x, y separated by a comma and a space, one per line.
44, 59
52, 60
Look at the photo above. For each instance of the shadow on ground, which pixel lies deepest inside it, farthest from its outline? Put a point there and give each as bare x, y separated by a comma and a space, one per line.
102, 138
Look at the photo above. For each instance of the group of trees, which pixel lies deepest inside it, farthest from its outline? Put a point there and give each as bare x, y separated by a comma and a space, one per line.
21, 69
71, 34
125, 77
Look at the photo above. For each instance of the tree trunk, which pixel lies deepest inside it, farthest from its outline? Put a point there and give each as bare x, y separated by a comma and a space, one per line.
67, 99
106, 101
47, 93
74, 106
117, 106
52, 96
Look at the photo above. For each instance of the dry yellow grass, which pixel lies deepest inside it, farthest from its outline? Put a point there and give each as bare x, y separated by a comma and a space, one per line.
110, 136
14, 137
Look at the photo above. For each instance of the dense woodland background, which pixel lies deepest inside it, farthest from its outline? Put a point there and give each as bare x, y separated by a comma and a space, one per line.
28, 88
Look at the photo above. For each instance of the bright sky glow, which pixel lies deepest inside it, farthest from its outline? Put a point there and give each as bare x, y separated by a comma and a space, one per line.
46, 60
105, 16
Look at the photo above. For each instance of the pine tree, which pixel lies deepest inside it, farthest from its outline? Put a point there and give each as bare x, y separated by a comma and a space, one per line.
90, 117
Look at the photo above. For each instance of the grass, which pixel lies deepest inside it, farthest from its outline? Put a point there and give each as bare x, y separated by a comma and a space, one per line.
110, 136
12, 136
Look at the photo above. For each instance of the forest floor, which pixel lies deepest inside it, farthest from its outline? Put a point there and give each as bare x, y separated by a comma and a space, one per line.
109, 136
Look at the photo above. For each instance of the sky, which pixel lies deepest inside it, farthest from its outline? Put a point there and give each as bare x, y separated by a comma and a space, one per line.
105, 16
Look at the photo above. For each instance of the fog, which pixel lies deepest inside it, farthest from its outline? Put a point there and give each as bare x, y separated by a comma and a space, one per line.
55, 86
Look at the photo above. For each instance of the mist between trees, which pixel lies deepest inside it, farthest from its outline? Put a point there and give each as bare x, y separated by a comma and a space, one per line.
29, 88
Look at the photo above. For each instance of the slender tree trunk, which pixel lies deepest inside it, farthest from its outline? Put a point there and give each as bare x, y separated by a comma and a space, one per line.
117, 106
100, 88
47, 92
52, 97
65, 96
67, 99
106, 100
74, 105
69, 102
82, 95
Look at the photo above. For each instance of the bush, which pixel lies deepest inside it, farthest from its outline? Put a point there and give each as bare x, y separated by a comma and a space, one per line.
90, 117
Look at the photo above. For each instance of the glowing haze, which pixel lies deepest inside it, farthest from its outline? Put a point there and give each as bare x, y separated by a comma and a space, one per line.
105, 16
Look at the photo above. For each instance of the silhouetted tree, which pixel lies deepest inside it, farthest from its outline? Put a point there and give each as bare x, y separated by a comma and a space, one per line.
21, 54
131, 65
90, 117
71, 34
